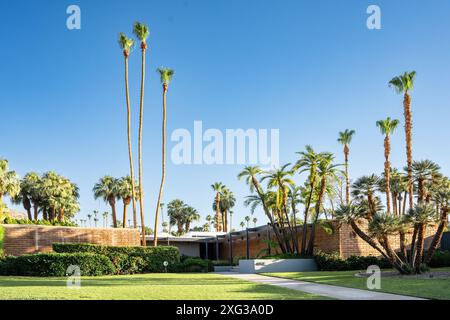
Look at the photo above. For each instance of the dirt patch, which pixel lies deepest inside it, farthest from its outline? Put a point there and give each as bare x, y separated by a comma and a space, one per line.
395, 274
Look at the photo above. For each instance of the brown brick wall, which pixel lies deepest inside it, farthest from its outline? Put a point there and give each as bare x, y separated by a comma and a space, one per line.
343, 241
23, 239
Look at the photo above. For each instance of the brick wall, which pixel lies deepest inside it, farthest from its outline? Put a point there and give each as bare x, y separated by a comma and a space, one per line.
23, 239
343, 241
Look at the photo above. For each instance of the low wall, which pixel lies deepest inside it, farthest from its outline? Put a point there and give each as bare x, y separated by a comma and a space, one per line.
276, 265
23, 239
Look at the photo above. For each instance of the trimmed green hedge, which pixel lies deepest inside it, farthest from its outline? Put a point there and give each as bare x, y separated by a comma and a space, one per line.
2, 235
193, 264
441, 259
56, 264
333, 262
142, 259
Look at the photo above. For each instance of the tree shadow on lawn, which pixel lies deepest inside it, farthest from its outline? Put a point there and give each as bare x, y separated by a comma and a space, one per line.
123, 280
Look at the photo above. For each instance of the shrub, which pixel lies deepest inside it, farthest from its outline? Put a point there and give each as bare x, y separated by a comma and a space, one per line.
285, 256
65, 223
334, 262
193, 264
2, 235
152, 257
441, 258
56, 264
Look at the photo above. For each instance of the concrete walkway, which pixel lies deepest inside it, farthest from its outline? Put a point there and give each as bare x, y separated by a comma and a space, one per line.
335, 292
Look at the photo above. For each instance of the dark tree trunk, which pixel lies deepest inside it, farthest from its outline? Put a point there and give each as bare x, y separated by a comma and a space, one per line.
438, 236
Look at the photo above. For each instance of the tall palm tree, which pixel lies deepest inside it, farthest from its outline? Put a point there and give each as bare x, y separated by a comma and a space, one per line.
105, 218
387, 127
227, 202
142, 32
126, 44
242, 224
423, 173
247, 220
9, 183
107, 189
255, 220
166, 76
218, 187
345, 138
404, 84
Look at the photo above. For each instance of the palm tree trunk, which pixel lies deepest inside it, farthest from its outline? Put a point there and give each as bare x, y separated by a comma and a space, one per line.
130, 150
408, 134
125, 205
113, 213
36, 211
399, 199
312, 237
419, 246
218, 222
387, 171
269, 215
404, 203
305, 220
438, 236
394, 204
403, 250
347, 184
413, 244
141, 116
367, 239
163, 175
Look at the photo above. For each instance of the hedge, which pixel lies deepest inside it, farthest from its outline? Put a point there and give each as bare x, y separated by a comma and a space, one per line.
441, 259
193, 264
56, 264
333, 262
142, 259
2, 235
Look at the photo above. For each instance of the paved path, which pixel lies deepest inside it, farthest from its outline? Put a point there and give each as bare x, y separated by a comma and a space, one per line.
336, 292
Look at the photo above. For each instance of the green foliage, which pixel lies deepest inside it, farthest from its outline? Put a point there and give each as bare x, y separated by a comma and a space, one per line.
193, 264
2, 235
441, 258
152, 257
65, 223
56, 264
285, 256
333, 262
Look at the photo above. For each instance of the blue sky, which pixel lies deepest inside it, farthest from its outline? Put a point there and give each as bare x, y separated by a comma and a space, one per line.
308, 68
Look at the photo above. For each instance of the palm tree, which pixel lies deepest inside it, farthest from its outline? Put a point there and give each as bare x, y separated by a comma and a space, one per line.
423, 173
308, 162
142, 32
404, 84
218, 187
251, 174
125, 192
247, 220
365, 187
105, 218
9, 183
255, 220
126, 44
345, 138
326, 172
175, 212
190, 215
107, 189
89, 218
227, 202
387, 127
166, 76
242, 224
281, 180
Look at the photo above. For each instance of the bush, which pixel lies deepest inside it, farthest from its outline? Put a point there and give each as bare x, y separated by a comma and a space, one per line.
65, 223
441, 258
56, 264
333, 262
285, 256
152, 257
193, 264
2, 235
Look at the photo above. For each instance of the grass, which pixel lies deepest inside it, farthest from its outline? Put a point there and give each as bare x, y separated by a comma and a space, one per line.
165, 286
424, 288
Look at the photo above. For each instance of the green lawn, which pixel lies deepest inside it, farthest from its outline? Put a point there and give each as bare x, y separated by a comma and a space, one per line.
147, 286
425, 288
